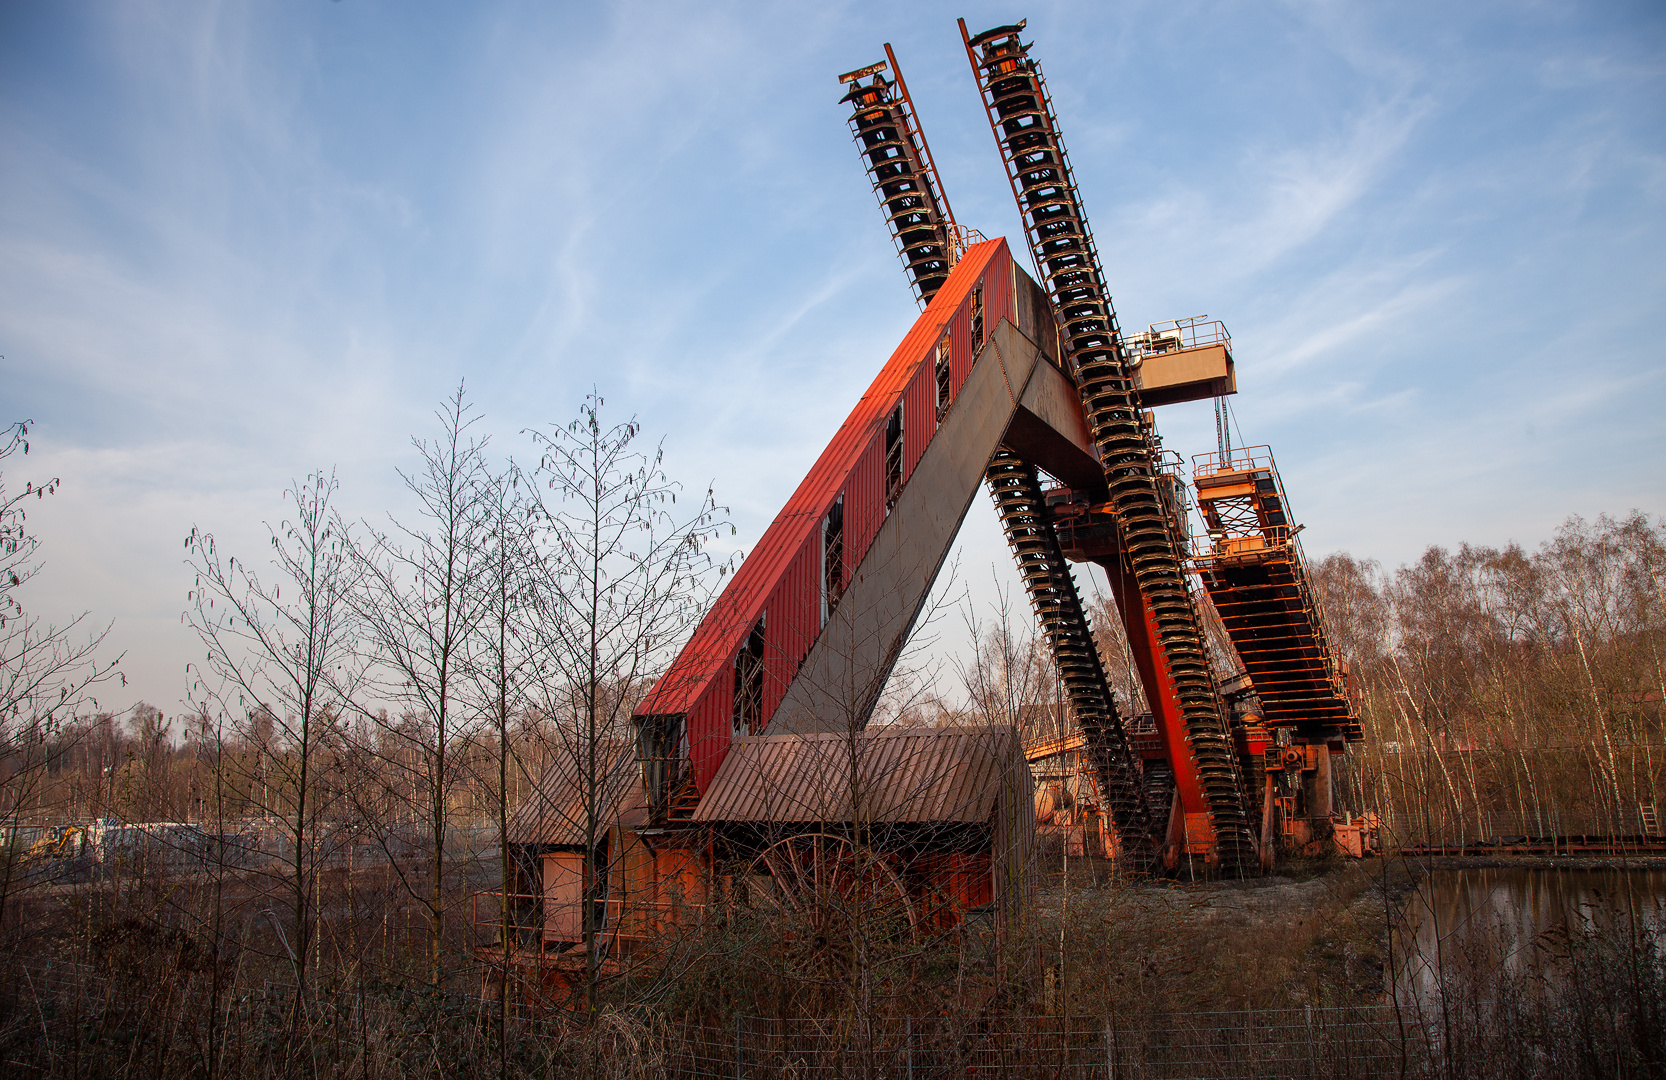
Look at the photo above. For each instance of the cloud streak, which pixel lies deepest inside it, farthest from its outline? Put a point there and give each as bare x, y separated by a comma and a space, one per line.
258, 241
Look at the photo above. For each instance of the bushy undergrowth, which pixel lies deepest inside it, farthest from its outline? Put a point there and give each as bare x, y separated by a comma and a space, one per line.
1282, 977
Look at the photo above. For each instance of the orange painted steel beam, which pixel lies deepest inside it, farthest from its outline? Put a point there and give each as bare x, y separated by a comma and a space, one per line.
1140, 625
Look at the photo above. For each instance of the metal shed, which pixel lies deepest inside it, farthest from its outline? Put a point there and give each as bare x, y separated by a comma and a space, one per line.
952, 806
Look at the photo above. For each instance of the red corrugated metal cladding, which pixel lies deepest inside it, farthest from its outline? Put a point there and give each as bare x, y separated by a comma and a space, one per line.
781, 581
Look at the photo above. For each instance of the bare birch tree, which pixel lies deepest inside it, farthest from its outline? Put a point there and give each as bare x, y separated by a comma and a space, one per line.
419, 601
280, 667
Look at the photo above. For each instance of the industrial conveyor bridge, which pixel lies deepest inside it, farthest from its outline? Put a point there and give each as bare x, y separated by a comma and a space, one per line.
1031, 389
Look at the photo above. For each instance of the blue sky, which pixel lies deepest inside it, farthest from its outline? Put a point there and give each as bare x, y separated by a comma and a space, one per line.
239, 242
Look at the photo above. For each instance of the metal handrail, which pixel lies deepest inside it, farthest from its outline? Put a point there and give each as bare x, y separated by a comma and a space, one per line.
1237, 459
961, 239
1177, 334
615, 912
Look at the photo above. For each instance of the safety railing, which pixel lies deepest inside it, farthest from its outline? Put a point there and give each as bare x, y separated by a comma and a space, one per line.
530, 916
1314, 1044
1236, 459
1418, 1037
1305, 1043
1178, 334
961, 239
1273, 542
526, 919
1245, 539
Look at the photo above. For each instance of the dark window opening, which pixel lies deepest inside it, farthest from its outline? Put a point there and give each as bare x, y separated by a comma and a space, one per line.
749, 683
893, 459
977, 318
659, 742
833, 557
944, 377
595, 901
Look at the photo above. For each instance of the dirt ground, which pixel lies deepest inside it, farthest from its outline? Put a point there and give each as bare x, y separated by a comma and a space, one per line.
1315, 934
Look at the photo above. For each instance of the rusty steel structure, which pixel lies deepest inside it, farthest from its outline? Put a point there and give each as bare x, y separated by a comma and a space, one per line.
752, 750
1034, 379
1151, 558
1252, 565
892, 148
904, 176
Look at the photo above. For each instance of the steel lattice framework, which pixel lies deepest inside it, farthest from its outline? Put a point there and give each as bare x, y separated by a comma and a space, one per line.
1021, 116
1000, 382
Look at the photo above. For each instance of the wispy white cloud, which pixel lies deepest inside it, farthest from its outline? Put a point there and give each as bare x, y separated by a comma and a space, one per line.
1302, 190
238, 245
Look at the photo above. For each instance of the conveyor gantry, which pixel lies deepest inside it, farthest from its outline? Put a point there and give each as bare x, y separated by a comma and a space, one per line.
904, 179
1005, 381
899, 162
1208, 783
1251, 563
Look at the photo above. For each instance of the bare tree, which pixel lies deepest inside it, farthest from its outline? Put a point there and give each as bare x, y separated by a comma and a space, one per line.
150, 797
47, 671
419, 600
281, 667
1009, 678
499, 665
622, 578
1498, 682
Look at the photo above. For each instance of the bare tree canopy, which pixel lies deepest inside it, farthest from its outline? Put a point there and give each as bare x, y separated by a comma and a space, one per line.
278, 666
622, 574
1511, 691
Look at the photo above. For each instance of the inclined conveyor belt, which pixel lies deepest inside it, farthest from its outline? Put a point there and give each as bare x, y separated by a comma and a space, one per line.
1267, 609
1058, 607
891, 149
1022, 119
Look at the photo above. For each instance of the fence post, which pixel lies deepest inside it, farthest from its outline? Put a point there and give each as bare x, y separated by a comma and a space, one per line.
737, 1049
1312, 1050
1110, 1066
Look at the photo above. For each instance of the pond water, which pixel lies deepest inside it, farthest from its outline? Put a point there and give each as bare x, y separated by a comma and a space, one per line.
1478, 930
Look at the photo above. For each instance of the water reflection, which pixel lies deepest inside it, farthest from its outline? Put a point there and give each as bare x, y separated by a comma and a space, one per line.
1482, 930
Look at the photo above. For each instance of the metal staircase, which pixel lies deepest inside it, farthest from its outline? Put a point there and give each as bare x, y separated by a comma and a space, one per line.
1253, 569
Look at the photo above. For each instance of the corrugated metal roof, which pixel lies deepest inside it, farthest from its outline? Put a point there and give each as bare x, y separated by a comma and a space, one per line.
901, 774
555, 812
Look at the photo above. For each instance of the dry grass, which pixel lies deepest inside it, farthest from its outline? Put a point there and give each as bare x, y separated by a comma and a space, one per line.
1157, 961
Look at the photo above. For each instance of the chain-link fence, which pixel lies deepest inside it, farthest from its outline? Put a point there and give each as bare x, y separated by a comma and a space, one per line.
1331, 1043
1335, 1044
